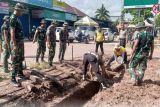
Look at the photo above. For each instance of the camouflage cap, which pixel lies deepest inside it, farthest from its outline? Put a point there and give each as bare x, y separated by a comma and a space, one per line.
43, 21
140, 25
65, 24
19, 6
6, 17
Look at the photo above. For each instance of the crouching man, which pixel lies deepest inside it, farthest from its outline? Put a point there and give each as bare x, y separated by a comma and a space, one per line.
119, 51
95, 60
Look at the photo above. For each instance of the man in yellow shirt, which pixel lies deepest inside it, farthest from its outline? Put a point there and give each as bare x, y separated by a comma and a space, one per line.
99, 39
119, 51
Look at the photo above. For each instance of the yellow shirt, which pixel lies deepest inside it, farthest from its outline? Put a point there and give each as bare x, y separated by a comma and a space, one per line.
100, 36
120, 52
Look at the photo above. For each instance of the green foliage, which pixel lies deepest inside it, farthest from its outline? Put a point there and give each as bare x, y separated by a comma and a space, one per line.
40, 66
115, 23
1, 78
158, 20
137, 19
138, 15
102, 13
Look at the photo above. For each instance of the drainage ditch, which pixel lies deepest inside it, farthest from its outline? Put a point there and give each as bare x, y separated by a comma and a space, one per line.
81, 96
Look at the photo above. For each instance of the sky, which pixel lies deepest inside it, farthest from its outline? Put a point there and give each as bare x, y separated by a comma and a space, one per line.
90, 6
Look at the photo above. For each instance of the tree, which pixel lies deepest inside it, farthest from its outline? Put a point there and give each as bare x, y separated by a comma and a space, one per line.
102, 13
115, 23
158, 20
139, 15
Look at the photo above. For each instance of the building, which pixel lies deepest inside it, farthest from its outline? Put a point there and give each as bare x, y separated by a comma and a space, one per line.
36, 10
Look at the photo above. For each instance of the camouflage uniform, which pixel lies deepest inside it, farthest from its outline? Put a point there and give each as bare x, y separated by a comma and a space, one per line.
140, 57
52, 40
6, 49
17, 56
63, 43
41, 40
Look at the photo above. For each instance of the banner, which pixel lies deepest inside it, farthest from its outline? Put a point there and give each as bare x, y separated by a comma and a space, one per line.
139, 3
59, 3
4, 8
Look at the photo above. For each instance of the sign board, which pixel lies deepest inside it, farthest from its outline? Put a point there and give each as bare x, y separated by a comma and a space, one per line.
156, 8
37, 14
4, 8
59, 3
139, 3
71, 17
56, 15
42, 3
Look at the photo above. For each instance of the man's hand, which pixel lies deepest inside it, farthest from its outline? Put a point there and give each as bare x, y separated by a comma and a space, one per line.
15, 48
8, 46
48, 45
150, 57
117, 60
131, 56
34, 41
122, 62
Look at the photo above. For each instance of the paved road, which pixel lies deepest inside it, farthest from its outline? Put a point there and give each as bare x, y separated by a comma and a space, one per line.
78, 50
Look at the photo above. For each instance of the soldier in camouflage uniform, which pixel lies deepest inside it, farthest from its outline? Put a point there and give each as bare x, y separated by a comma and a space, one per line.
40, 36
17, 44
63, 40
144, 44
5, 43
51, 41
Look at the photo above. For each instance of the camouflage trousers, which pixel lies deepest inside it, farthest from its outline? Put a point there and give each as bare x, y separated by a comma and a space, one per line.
6, 54
141, 60
41, 49
62, 50
51, 52
17, 58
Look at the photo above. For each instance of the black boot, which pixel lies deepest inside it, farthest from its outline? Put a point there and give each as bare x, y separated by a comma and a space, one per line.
14, 82
21, 75
37, 61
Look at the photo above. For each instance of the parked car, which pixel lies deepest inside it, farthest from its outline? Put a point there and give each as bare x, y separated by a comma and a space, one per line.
71, 34
109, 36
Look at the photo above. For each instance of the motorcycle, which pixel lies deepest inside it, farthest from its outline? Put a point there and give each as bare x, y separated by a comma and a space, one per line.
86, 39
80, 37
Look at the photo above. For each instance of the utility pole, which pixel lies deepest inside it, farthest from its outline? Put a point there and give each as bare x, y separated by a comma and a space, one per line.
122, 15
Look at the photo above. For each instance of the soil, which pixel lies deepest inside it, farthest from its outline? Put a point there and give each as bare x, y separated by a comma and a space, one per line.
123, 94
73, 92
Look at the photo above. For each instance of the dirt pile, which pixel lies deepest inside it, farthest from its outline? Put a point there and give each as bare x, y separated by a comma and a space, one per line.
123, 94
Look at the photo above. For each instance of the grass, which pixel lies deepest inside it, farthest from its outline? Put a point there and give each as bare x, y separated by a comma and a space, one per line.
40, 66
1, 79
